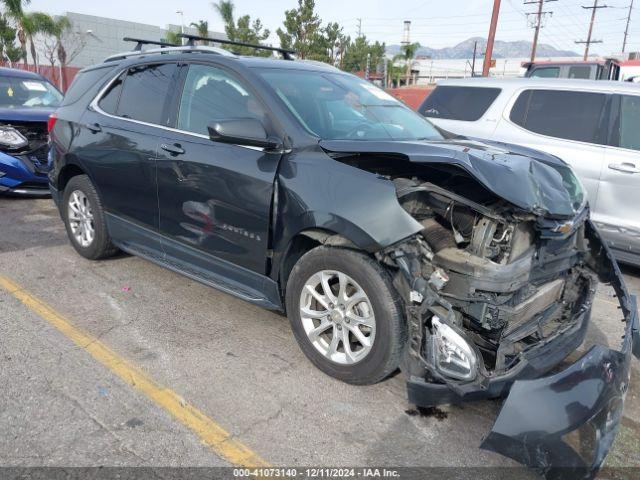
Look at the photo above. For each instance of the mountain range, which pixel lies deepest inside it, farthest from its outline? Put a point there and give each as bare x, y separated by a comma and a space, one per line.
501, 49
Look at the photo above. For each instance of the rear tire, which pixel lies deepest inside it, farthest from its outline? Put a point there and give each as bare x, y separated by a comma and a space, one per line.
320, 310
83, 217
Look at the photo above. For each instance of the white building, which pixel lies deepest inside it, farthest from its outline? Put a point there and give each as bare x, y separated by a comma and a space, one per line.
103, 36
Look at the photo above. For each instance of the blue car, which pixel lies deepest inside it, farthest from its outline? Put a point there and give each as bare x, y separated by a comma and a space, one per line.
26, 101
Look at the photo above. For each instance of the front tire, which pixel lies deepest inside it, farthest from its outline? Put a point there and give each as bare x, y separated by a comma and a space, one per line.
346, 315
84, 219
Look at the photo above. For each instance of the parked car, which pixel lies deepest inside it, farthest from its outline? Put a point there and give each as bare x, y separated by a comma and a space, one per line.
592, 125
290, 184
26, 101
602, 69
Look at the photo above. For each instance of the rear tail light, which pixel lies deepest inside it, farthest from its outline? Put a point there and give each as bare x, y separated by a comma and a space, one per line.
51, 122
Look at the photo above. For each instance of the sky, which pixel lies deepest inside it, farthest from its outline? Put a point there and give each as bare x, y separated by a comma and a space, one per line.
435, 23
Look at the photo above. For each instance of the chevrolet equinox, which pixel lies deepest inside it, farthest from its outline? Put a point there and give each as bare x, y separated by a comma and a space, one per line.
389, 243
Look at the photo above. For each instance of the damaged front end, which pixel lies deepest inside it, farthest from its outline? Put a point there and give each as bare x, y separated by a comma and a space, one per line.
496, 297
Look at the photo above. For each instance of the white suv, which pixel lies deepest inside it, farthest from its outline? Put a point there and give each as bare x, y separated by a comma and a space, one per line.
592, 125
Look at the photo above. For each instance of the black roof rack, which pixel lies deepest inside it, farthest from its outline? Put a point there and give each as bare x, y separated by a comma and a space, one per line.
286, 54
140, 42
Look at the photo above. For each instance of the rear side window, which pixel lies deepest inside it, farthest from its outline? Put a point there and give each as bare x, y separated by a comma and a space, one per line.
109, 101
630, 122
140, 93
546, 72
561, 114
145, 91
579, 71
459, 103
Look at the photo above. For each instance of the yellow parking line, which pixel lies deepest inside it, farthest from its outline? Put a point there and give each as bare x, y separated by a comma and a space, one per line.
208, 430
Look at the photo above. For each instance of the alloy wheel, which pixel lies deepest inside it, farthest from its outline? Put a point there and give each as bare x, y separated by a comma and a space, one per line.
337, 317
81, 218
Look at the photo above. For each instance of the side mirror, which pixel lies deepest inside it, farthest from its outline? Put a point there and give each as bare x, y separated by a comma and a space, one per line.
242, 131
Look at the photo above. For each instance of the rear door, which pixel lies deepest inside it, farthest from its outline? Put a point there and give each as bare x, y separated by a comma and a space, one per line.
125, 125
620, 182
215, 198
571, 125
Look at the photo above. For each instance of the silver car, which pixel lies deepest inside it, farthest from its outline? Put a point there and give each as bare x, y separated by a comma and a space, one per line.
592, 125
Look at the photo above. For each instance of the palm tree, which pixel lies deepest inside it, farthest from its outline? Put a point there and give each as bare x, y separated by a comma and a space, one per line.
13, 10
408, 52
225, 10
57, 29
202, 27
34, 23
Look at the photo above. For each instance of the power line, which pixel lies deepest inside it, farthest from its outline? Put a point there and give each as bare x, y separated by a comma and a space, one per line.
589, 41
538, 24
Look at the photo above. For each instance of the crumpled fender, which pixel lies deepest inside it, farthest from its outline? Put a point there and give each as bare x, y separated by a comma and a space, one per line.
315, 191
565, 424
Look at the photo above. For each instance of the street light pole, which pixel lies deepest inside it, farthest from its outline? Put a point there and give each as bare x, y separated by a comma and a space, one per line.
181, 13
492, 36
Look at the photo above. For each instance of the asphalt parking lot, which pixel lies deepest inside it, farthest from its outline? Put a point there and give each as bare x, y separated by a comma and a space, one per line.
235, 363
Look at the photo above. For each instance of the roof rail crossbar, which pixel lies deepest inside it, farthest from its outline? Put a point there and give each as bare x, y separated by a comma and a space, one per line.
286, 54
140, 42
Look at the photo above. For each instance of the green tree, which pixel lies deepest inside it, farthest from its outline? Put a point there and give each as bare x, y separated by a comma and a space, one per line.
303, 32
171, 36
242, 30
202, 27
14, 12
336, 43
34, 23
355, 58
10, 51
408, 52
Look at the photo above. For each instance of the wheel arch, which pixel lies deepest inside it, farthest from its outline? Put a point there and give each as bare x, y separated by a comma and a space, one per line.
67, 173
304, 241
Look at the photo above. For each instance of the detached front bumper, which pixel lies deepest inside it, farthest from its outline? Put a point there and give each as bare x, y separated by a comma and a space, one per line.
563, 424
23, 175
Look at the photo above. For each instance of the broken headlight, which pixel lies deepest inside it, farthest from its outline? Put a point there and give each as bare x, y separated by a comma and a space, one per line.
11, 138
452, 355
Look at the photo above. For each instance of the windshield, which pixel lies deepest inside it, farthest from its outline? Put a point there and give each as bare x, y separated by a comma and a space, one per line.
27, 92
336, 106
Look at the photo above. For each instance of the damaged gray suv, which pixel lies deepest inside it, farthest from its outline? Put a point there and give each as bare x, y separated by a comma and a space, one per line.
469, 265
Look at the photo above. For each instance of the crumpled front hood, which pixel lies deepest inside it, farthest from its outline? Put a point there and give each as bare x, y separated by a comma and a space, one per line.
532, 180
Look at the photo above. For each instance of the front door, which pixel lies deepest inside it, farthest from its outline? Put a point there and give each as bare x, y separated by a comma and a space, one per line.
619, 197
215, 199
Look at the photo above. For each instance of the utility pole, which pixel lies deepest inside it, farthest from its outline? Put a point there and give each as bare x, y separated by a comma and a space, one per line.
359, 27
486, 66
538, 24
626, 30
473, 65
588, 41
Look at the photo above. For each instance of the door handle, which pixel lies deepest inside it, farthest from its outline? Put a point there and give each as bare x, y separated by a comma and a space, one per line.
625, 167
93, 127
174, 149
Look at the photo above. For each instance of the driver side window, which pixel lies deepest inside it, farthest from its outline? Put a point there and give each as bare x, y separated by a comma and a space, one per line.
209, 94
